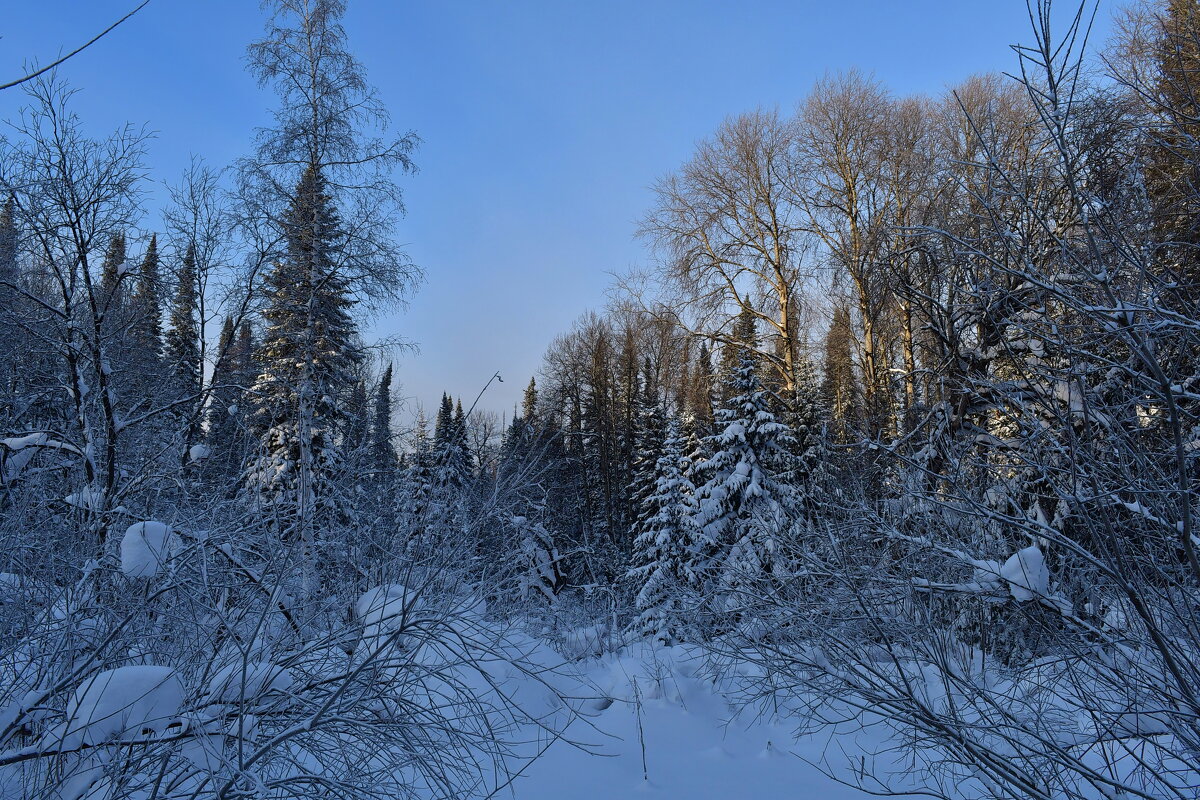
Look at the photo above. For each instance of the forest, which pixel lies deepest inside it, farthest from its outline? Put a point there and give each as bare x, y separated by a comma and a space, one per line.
896, 431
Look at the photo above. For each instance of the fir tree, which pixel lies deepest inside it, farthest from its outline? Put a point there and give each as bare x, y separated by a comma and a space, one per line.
666, 538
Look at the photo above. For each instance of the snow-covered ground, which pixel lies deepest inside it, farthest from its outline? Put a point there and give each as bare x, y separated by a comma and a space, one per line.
695, 746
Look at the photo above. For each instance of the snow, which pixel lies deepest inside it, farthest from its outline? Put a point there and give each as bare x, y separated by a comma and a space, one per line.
21, 442
199, 452
146, 547
124, 703
88, 498
382, 610
1026, 574
247, 680
696, 746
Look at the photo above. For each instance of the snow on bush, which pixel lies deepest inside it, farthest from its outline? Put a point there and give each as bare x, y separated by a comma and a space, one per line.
1026, 574
145, 548
199, 452
88, 498
16, 453
131, 702
247, 680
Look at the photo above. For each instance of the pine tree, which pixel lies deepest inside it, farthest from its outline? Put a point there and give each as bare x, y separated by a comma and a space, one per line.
666, 538
308, 359
745, 505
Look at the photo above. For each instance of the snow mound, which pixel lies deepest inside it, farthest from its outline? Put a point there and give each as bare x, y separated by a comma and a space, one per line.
383, 609
145, 548
1026, 574
122, 703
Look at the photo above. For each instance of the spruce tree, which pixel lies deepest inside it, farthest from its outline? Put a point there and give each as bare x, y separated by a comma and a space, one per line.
182, 349
666, 539
112, 271
743, 337
417, 485
649, 434
838, 389
745, 504
383, 453
10, 352
529, 404
806, 420
308, 360
147, 310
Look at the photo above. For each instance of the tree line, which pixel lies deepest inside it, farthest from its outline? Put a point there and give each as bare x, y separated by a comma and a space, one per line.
900, 423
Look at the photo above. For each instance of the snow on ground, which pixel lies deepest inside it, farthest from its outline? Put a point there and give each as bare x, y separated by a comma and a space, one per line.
695, 748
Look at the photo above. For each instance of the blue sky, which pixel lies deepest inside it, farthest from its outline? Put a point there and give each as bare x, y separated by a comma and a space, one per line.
543, 124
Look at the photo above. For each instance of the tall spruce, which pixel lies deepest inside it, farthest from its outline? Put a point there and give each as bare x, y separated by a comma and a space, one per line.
147, 309
182, 347
308, 360
838, 388
383, 451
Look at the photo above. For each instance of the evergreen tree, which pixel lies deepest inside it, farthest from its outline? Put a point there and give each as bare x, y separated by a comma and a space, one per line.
356, 429
666, 538
308, 359
147, 311
743, 337
112, 271
744, 504
10, 331
529, 404
383, 453
524, 548
182, 350
806, 420
649, 435
228, 434
417, 485
838, 388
